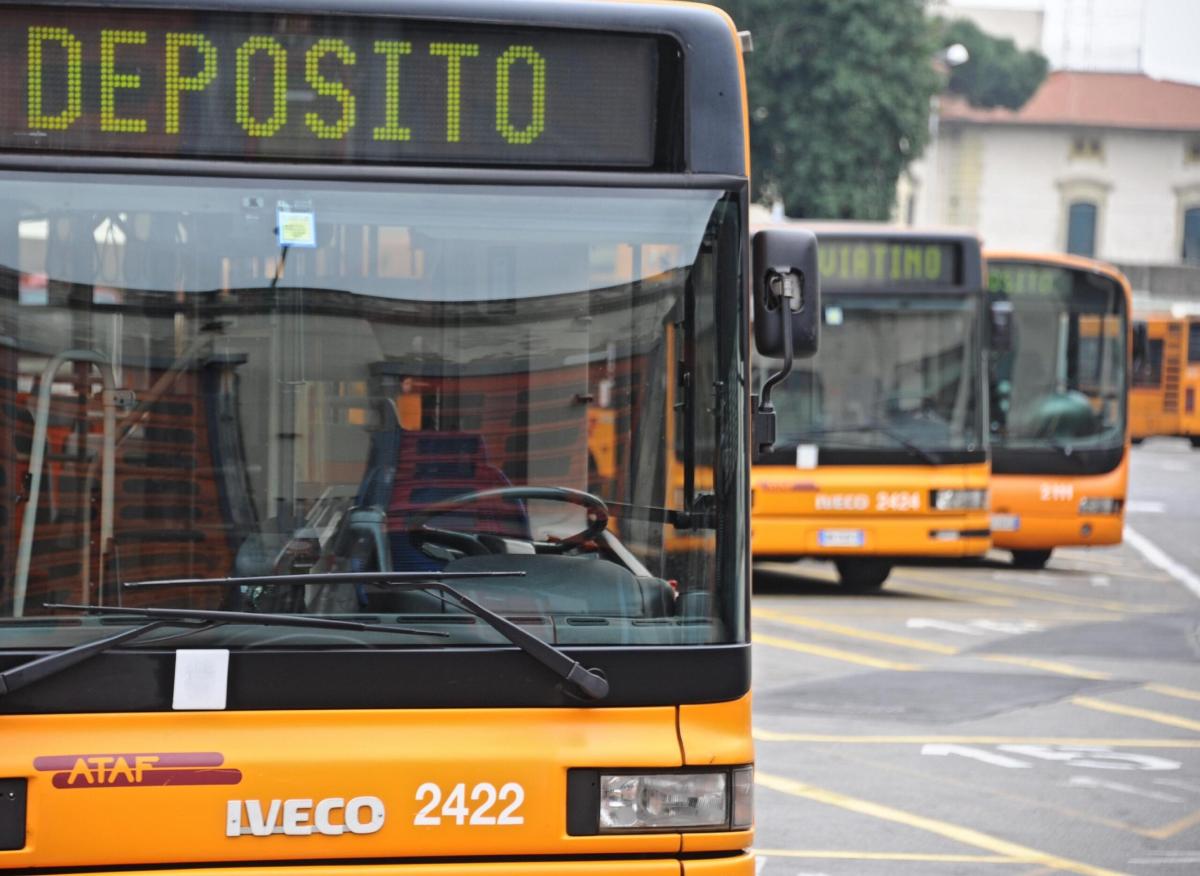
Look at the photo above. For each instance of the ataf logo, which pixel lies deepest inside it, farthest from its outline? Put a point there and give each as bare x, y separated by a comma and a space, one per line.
137, 770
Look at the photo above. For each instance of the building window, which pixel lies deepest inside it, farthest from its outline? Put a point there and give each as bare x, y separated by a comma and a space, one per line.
1081, 228
1087, 146
1191, 151
1191, 235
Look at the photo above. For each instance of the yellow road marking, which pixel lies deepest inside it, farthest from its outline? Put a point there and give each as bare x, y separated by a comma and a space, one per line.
964, 835
899, 585
833, 653
1103, 742
1133, 712
833, 855
1027, 593
796, 620
1170, 691
1175, 827
1047, 666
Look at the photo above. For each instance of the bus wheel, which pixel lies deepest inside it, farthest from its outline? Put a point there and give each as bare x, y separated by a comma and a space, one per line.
1031, 559
1195, 439
1136, 441
863, 576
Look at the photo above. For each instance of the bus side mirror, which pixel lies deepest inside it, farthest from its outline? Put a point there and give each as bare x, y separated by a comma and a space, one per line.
1141, 344
787, 292
787, 313
1000, 327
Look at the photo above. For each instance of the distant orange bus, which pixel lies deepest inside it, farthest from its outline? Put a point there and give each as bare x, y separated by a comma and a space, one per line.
1060, 447
881, 452
1166, 378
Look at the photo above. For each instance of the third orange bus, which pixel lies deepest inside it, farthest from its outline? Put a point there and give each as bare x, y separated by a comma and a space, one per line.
1059, 381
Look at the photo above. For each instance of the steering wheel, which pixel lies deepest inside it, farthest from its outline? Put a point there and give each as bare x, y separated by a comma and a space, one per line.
420, 532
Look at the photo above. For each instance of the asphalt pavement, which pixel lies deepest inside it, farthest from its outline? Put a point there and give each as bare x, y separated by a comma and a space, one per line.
983, 719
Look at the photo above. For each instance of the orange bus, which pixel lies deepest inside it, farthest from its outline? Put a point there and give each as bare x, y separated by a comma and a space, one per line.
882, 449
1060, 449
1163, 399
349, 359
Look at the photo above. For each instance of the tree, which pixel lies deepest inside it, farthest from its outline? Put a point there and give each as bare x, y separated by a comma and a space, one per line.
839, 100
998, 73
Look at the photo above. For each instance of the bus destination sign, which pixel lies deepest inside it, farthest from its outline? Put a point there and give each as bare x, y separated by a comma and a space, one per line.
1022, 280
870, 263
202, 84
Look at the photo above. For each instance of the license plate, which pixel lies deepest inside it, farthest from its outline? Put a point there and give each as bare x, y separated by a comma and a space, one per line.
1005, 522
843, 538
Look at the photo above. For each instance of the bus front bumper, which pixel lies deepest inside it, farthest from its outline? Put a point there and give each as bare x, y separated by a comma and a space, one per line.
947, 535
1042, 532
736, 864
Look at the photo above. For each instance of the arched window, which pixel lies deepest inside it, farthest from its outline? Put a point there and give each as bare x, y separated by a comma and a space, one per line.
1191, 235
1081, 228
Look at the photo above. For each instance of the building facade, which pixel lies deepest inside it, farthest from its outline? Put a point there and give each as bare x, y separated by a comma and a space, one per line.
1099, 164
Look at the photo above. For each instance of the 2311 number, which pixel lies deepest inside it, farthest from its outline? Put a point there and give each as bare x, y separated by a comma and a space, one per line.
483, 799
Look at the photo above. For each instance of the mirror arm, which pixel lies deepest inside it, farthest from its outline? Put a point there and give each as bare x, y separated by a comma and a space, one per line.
764, 411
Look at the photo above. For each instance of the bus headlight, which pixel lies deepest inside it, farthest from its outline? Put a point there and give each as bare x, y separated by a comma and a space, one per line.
673, 801
1096, 505
958, 500
629, 801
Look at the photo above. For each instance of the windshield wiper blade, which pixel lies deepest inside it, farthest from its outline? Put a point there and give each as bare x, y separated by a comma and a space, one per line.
590, 683
43, 667
882, 429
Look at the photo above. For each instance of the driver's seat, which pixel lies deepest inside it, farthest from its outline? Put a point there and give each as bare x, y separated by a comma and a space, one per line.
435, 466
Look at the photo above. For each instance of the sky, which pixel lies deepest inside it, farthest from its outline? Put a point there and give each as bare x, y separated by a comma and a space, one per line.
1158, 37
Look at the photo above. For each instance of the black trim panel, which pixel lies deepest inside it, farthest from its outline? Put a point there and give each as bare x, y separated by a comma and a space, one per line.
1036, 461
13, 797
785, 455
477, 678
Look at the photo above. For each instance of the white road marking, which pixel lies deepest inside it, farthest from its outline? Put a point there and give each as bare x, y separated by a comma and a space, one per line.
1143, 506
1121, 788
1155, 556
978, 754
1013, 628
977, 627
925, 623
1100, 581
1094, 757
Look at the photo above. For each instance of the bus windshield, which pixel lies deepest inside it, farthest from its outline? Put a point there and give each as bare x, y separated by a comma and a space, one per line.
1061, 383
237, 378
894, 372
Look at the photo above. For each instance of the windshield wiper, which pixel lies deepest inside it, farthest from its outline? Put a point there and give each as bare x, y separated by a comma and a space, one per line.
589, 682
35, 670
882, 429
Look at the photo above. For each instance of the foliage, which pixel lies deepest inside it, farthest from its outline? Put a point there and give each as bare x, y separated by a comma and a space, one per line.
839, 100
998, 73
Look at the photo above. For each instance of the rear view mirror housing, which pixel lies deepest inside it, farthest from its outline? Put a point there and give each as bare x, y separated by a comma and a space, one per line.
787, 292
1000, 327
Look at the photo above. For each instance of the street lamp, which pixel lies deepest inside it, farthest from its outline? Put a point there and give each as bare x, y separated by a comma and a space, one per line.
944, 61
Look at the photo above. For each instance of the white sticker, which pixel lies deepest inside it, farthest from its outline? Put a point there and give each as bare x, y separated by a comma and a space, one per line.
201, 679
296, 228
806, 456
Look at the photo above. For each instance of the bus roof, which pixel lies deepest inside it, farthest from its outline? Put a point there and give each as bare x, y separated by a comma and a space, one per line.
1064, 260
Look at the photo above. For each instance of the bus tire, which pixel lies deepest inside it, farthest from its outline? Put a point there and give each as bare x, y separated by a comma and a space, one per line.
862, 575
1195, 439
1136, 442
1030, 559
